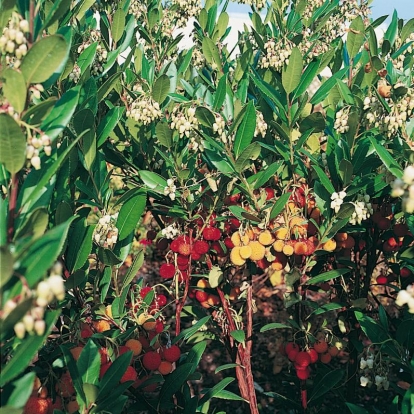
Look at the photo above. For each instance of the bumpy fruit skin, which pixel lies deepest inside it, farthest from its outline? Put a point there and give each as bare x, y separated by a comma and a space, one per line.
72, 406
165, 368
325, 358
129, 375
172, 354
201, 296
57, 405
235, 257
65, 386
134, 345
320, 347
167, 271
266, 238
333, 351
303, 374
313, 355
151, 360
302, 359
258, 250
245, 252
101, 325
35, 405
211, 233
382, 280
405, 272
290, 346
329, 246
201, 247
293, 354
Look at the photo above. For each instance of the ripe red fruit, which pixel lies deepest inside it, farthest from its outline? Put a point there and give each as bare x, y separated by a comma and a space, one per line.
384, 223
211, 233
122, 349
65, 386
151, 360
405, 272
293, 354
270, 193
291, 345
35, 405
57, 405
201, 247
184, 247
302, 359
320, 347
216, 246
400, 229
382, 280
182, 260
161, 300
303, 374
228, 243
313, 355
103, 352
167, 271
201, 296
172, 354
144, 291
129, 375
325, 358
159, 326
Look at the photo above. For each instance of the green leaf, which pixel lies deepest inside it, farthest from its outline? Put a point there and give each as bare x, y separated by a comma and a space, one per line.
211, 52
80, 246
345, 171
164, 134
325, 181
44, 58
14, 89
315, 122
6, 10
225, 366
292, 72
108, 124
130, 214
407, 30
25, 351
355, 37
40, 256
215, 276
326, 87
324, 277
153, 180
118, 25
274, 325
245, 131
161, 89
307, 78
74, 374
215, 390
22, 388
89, 363
6, 265
228, 395
133, 269
387, 158
220, 94
251, 152
356, 409
61, 114
392, 29
108, 257
205, 116
12, 144
35, 225
189, 332
326, 383
174, 381
238, 335
279, 205
58, 9
372, 329
114, 373
109, 84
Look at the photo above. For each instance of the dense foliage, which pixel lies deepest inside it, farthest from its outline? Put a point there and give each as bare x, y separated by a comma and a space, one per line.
285, 159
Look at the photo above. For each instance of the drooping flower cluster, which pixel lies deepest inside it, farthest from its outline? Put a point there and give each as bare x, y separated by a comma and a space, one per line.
186, 9
144, 110
261, 125
170, 232
170, 189
341, 121
363, 209
33, 148
405, 188
13, 42
373, 372
398, 62
184, 120
101, 54
106, 232
336, 200
277, 53
257, 4
219, 127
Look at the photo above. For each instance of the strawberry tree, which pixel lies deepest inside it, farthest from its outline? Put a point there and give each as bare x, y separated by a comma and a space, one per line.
284, 161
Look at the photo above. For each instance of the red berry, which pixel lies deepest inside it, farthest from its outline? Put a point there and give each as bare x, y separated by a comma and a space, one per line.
104, 355
313, 355
325, 358
228, 243
151, 360
159, 326
167, 271
303, 374
320, 347
211, 233
35, 405
293, 354
182, 260
405, 272
384, 223
172, 354
270, 193
201, 296
103, 369
382, 280
302, 359
144, 291
290, 346
122, 349
216, 246
201, 247
161, 300
129, 375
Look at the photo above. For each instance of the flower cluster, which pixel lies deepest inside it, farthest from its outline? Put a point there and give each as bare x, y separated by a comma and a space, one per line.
373, 373
363, 209
405, 188
406, 297
170, 189
261, 125
46, 292
184, 120
186, 10
257, 4
198, 59
398, 62
277, 54
170, 232
13, 42
341, 121
101, 54
337, 199
33, 148
106, 232
144, 110
75, 74
219, 127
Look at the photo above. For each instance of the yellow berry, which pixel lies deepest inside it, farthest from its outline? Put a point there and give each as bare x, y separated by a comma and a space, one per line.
258, 250
235, 257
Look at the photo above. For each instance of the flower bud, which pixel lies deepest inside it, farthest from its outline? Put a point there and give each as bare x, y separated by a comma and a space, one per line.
40, 327
35, 161
28, 323
56, 286
20, 330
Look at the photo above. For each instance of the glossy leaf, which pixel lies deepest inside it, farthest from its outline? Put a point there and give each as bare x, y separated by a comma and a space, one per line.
274, 325
245, 131
130, 214
292, 72
44, 58
14, 88
12, 144
279, 205
89, 363
251, 152
161, 89
118, 24
211, 393
164, 134
324, 277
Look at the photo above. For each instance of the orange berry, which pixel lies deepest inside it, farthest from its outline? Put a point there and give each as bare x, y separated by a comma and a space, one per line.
329, 246
333, 351
235, 257
281, 233
76, 351
65, 386
245, 252
134, 345
341, 237
288, 249
108, 311
213, 300
101, 325
278, 245
234, 293
203, 283
325, 358
266, 238
129, 375
165, 368
258, 250
298, 225
72, 406
300, 248
349, 243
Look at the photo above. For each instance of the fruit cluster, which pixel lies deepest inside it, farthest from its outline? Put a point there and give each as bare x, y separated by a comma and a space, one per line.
302, 358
